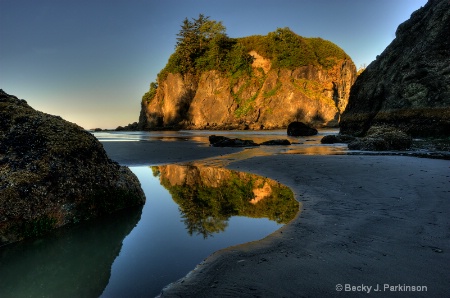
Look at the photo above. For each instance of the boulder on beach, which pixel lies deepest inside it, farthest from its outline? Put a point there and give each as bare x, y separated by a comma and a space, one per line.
53, 173
221, 141
282, 142
300, 129
331, 139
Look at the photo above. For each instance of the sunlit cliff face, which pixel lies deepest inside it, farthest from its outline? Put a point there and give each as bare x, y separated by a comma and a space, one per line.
265, 100
260, 62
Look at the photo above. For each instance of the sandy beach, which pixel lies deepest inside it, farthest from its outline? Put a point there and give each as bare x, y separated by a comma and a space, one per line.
377, 224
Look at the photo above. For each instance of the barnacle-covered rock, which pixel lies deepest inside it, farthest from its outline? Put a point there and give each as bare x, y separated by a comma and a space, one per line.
53, 172
381, 138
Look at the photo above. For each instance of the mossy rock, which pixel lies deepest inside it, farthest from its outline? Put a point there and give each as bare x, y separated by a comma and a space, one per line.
53, 173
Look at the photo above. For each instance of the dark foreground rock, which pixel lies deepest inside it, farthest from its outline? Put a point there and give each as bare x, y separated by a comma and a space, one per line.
300, 129
407, 86
53, 173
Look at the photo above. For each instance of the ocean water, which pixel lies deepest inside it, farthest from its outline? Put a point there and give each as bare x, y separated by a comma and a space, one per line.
309, 145
135, 253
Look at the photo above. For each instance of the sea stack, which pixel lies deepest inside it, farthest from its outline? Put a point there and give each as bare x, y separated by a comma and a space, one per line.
255, 82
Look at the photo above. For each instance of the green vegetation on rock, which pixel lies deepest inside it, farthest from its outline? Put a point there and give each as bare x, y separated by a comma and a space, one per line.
148, 96
286, 49
203, 45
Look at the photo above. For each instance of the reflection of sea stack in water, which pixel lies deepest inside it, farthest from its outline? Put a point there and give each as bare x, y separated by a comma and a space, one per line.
54, 173
209, 196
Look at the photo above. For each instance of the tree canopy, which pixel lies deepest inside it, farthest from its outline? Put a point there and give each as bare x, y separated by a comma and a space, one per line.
286, 49
202, 44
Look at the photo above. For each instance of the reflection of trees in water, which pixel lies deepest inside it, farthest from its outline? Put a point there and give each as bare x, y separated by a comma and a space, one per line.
208, 197
205, 226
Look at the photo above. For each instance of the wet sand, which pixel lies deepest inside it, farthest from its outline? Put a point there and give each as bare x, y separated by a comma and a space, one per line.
366, 221
161, 152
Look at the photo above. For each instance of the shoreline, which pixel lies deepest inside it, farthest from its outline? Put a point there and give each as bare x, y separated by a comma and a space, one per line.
388, 226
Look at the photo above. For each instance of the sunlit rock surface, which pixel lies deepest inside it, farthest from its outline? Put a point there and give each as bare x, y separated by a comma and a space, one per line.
268, 98
52, 173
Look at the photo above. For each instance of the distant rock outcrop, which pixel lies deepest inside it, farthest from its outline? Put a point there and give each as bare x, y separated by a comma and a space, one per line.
408, 85
221, 141
52, 173
130, 127
277, 142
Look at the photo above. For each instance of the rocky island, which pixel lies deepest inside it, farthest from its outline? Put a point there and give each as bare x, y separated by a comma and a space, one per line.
53, 173
213, 81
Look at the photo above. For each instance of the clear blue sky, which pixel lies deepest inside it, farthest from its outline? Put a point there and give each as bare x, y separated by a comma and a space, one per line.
90, 61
